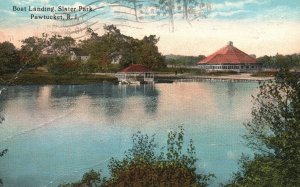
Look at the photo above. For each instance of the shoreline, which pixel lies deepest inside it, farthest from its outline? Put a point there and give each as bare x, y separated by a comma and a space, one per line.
42, 78
246, 77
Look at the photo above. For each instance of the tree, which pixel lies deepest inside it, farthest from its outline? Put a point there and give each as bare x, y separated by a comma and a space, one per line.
61, 65
280, 61
9, 58
265, 61
60, 46
103, 49
274, 133
147, 53
144, 166
89, 179
31, 50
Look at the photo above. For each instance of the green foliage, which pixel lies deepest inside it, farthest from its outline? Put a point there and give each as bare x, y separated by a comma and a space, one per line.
260, 171
113, 44
264, 74
42, 78
62, 65
92, 66
31, 50
274, 132
178, 60
57, 49
102, 49
9, 58
89, 179
146, 53
144, 166
280, 61
59, 45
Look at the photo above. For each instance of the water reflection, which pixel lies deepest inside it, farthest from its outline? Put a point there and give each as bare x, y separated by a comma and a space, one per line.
2, 105
123, 98
188, 101
151, 105
113, 99
230, 92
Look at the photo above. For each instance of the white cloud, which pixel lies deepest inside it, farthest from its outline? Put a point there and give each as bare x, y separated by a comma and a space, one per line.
280, 13
236, 5
225, 13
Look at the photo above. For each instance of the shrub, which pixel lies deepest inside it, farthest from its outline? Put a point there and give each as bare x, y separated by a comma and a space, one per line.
62, 66
274, 134
142, 166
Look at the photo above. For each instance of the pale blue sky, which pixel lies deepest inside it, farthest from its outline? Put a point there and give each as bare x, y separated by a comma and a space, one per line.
224, 10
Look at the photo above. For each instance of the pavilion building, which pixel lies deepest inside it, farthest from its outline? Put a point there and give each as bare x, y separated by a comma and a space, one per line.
230, 58
135, 74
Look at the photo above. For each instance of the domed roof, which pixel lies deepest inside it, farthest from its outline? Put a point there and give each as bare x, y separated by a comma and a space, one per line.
229, 55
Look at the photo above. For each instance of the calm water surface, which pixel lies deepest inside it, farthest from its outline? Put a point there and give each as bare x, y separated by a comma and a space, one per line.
56, 133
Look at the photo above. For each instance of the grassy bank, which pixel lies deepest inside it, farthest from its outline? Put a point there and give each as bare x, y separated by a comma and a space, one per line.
45, 78
264, 74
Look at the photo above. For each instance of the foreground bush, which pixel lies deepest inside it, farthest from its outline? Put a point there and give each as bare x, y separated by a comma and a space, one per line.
141, 166
274, 134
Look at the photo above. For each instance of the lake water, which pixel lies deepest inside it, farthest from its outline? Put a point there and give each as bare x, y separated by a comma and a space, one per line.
56, 133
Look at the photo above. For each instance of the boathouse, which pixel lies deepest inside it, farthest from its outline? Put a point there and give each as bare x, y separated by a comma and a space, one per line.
135, 73
230, 58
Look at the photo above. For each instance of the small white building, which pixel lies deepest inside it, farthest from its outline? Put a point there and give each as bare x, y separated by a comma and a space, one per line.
79, 54
116, 59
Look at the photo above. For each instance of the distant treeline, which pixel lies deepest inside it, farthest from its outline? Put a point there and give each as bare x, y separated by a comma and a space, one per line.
179, 60
279, 61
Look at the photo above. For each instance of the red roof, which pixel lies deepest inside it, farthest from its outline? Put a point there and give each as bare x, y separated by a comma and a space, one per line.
229, 55
136, 68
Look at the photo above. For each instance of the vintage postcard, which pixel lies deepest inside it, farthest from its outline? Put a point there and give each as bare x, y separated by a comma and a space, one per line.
158, 93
